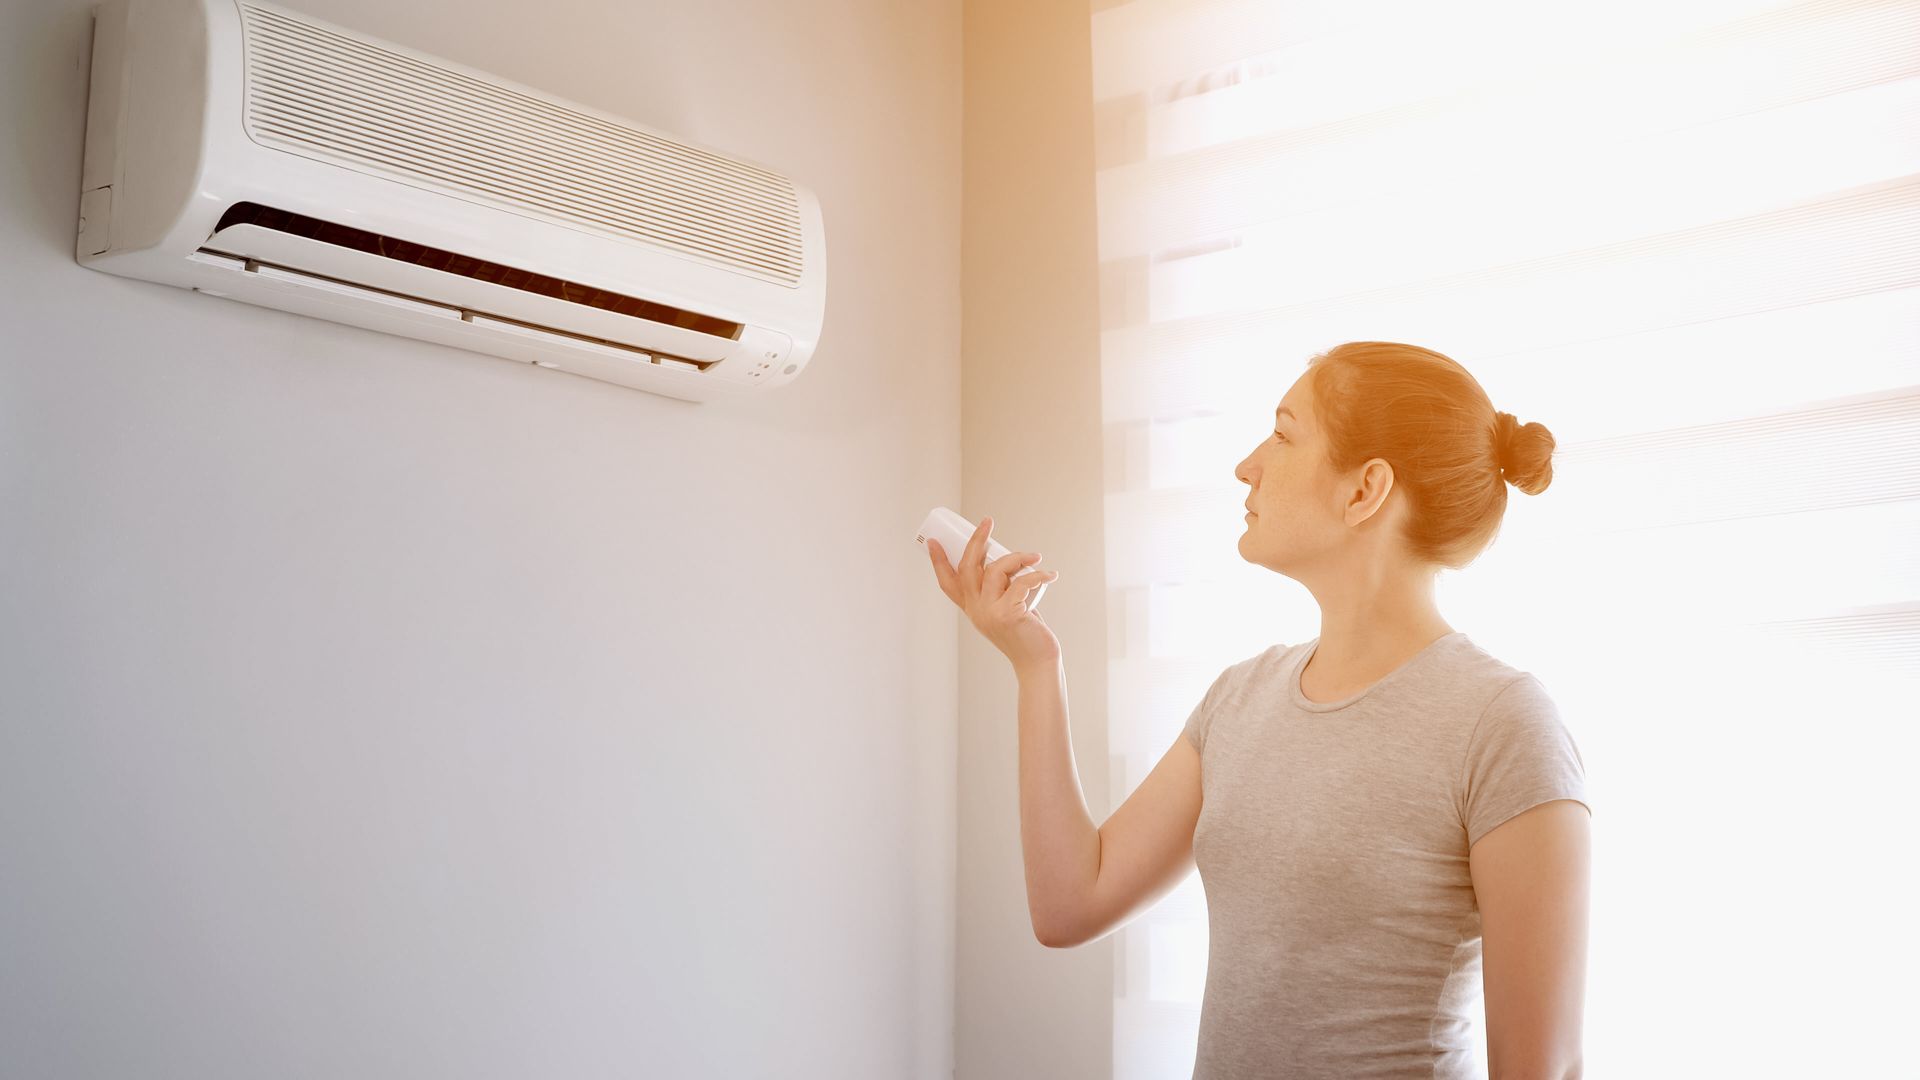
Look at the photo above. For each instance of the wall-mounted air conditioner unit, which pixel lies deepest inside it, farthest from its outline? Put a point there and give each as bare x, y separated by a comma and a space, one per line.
246, 151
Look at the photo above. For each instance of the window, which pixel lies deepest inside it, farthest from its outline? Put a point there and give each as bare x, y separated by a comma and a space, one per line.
1686, 238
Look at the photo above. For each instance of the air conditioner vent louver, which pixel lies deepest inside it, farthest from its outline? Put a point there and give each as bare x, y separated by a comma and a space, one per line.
313, 92
391, 247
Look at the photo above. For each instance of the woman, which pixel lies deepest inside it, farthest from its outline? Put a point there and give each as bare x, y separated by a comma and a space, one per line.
1386, 819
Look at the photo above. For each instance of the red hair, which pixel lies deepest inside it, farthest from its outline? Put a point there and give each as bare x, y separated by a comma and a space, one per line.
1452, 452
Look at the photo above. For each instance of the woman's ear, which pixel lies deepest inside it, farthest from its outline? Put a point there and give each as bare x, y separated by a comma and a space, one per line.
1368, 493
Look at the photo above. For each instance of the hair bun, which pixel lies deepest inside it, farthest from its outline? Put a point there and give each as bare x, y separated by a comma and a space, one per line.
1524, 452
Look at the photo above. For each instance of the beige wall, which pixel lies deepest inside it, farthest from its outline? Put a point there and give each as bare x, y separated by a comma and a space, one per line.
1031, 441
373, 709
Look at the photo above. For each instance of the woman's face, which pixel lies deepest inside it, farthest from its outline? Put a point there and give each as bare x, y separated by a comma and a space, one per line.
1294, 515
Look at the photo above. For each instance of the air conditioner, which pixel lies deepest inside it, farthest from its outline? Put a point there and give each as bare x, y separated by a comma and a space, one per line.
246, 151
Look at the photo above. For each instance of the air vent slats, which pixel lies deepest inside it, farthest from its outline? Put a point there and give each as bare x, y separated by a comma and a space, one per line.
720, 190
496, 104
469, 85
315, 92
428, 151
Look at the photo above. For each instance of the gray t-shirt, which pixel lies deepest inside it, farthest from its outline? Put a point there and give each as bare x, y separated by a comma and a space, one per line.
1332, 844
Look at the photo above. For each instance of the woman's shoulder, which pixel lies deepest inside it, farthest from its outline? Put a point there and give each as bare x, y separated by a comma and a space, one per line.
1267, 660
1499, 694
1259, 672
1468, 658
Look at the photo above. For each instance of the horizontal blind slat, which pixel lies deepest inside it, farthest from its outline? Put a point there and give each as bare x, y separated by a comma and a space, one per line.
1168, 200
1851, 245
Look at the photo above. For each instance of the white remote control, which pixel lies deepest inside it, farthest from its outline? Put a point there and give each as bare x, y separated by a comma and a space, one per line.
953, 532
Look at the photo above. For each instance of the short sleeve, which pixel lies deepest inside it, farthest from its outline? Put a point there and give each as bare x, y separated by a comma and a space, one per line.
1519, 755
1201, 719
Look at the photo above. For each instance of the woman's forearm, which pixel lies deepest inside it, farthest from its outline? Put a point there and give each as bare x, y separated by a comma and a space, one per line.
1060, 841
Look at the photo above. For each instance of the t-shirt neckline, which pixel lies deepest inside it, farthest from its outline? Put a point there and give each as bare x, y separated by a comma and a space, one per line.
1302, 701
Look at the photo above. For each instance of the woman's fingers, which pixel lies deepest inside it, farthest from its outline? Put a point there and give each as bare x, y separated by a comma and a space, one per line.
959, 586
978, 587
942, 571
976, 550
1021, 588
993, 581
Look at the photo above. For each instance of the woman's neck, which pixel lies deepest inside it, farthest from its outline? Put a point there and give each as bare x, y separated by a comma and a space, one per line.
1373, 624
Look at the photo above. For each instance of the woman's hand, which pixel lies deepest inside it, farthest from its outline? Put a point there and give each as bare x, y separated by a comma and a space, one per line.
995, 601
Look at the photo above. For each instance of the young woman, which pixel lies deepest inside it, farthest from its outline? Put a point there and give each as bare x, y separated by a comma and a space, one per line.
1387, 820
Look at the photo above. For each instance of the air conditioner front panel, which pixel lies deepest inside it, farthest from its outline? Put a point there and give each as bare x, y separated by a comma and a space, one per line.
211, 120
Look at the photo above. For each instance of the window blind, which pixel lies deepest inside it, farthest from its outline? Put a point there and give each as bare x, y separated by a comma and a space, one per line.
1686, 238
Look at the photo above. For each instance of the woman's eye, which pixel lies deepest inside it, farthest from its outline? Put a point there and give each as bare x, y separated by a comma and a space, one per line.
1279, 436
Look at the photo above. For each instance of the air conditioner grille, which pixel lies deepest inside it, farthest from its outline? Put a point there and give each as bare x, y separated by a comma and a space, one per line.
316, 92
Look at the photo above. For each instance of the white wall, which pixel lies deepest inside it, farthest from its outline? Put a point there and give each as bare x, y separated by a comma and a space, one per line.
1032, 443
370, 708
